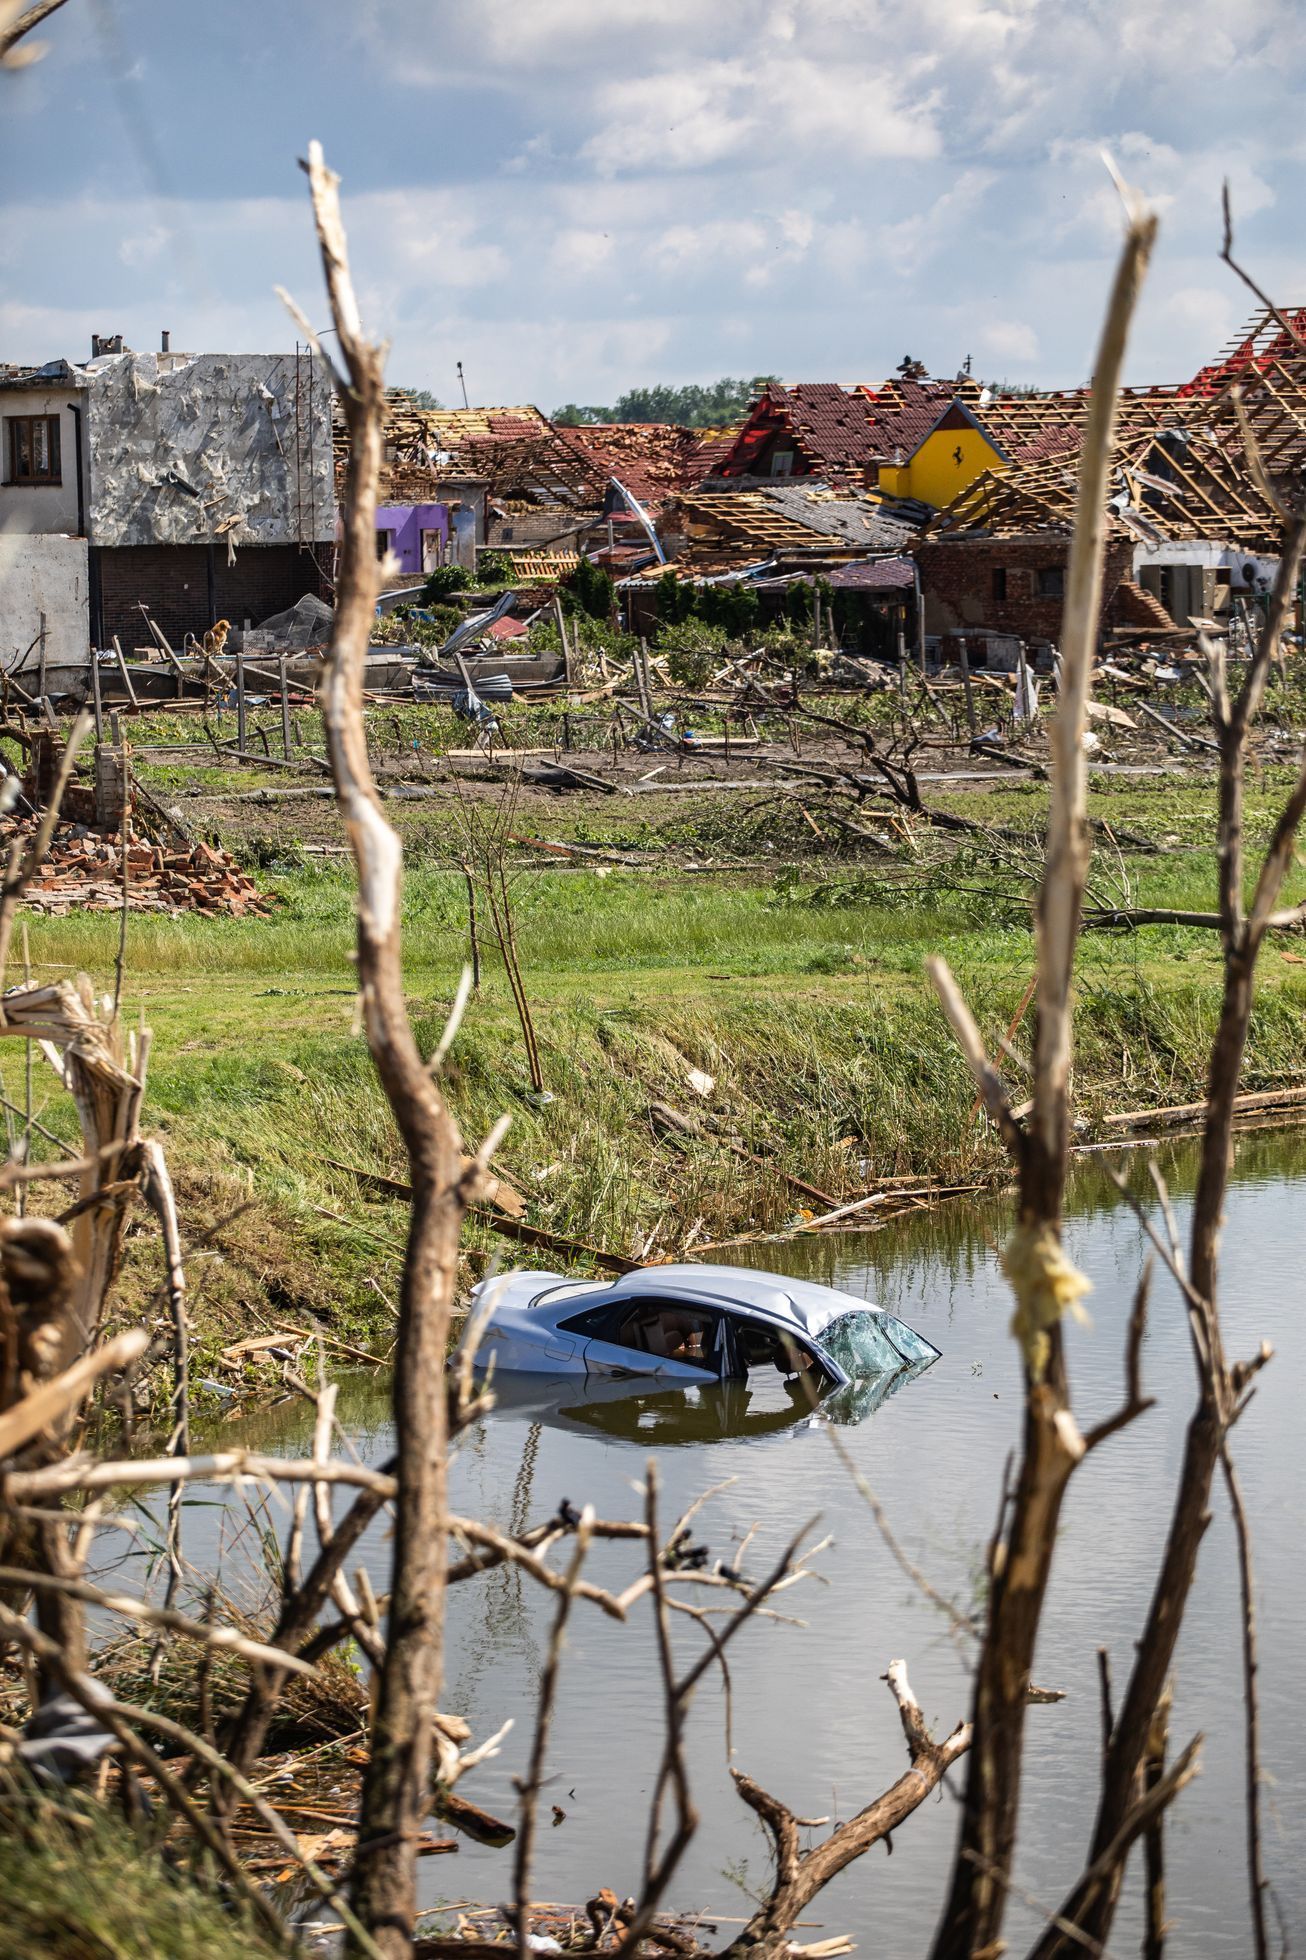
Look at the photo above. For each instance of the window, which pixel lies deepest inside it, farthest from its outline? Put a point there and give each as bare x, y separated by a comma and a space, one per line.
1000, 583
384, 540
1051, 582
33, 448
782, 462
670, 1330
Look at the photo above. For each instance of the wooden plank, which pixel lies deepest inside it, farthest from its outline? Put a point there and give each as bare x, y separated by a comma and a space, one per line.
122, 669
1132, 1119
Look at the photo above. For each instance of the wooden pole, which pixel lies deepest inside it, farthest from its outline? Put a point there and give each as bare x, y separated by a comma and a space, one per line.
240, 702
285, 705
562, 635
970, 692
95, 695
122, 669
40, 686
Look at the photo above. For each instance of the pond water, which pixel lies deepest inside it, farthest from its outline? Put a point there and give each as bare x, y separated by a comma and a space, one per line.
812, 1719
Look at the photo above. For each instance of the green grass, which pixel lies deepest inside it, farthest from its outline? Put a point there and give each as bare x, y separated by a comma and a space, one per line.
75, 1884
800, 990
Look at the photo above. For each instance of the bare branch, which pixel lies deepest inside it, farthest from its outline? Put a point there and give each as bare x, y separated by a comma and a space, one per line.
52, 1400
1135, 1403
971, 1042
1102, 1875
533, 1781
17, 21
1258, 1884
1043, 1280
799, 1876
131, 1608
1226, 253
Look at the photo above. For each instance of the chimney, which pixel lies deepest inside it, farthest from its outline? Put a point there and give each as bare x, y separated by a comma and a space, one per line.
166, 348
105, 343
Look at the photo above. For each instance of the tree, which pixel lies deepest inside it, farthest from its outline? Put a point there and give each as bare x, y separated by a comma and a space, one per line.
689, 407
573, 416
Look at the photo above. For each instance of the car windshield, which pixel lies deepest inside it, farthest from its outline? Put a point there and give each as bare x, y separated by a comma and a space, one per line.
865, 1344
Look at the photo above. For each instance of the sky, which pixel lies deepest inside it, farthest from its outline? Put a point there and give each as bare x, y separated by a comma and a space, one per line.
573, 197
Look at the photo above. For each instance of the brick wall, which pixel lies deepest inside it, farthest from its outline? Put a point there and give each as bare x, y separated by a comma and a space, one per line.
173, 581
961, 589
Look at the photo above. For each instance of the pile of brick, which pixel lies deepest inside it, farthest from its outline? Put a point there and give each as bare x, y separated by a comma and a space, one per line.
84, 869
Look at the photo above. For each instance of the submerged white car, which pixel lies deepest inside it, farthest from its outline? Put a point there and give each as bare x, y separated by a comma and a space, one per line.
686, 1325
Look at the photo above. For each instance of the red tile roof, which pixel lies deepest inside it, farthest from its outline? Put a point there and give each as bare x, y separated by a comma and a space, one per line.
1252, 355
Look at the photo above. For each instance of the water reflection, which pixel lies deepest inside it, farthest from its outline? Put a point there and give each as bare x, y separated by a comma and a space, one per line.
664, 1418
810, 1720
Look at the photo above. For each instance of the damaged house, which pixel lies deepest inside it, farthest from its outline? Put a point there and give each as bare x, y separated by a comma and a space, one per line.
1192, 536
198, 486
434, 491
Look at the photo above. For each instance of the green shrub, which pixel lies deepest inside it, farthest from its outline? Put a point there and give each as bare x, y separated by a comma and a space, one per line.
444, 580
495, 568
693, 650
591, 590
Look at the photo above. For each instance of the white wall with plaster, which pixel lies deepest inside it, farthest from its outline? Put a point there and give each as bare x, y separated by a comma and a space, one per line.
34, 507
43, 575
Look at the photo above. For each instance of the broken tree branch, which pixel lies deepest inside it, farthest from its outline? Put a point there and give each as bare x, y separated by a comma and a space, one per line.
799, 1875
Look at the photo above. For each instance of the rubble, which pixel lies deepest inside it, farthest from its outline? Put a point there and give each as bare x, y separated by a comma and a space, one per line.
166, 871
84, 869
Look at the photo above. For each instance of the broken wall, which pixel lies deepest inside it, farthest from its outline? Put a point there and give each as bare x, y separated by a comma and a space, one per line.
186, 588
418, 534
1008, 584
47, 575
185, 448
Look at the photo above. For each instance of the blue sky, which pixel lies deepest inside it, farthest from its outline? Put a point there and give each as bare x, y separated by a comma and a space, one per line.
573, 196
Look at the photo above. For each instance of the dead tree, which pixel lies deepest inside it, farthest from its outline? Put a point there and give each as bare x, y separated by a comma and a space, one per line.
1222, 1386
1043, 1280
487, 831
1134, 1788
56, 1278
396, 1786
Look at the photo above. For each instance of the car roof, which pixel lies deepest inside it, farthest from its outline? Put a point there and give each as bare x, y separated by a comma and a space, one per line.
798, 1303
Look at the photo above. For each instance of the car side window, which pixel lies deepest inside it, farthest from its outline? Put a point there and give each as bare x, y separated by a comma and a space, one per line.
773, 1347
669, 1329
595, 1322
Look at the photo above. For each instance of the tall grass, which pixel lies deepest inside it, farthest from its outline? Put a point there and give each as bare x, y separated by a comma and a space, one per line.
76, 1884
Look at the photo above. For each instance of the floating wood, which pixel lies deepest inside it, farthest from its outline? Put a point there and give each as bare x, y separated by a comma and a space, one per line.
1132, 1119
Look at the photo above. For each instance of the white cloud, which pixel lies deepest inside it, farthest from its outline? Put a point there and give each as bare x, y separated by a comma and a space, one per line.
910, 244
1009, 340
578, 250
709, 246
673, 122
761, 108
578, 198
145, 246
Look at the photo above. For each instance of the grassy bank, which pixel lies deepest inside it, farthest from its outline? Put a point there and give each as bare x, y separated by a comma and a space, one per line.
800, 992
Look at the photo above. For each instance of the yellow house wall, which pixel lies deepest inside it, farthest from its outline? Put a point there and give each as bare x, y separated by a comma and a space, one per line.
934, 476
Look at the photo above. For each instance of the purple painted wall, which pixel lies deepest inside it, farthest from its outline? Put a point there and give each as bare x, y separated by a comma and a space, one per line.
406, 523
